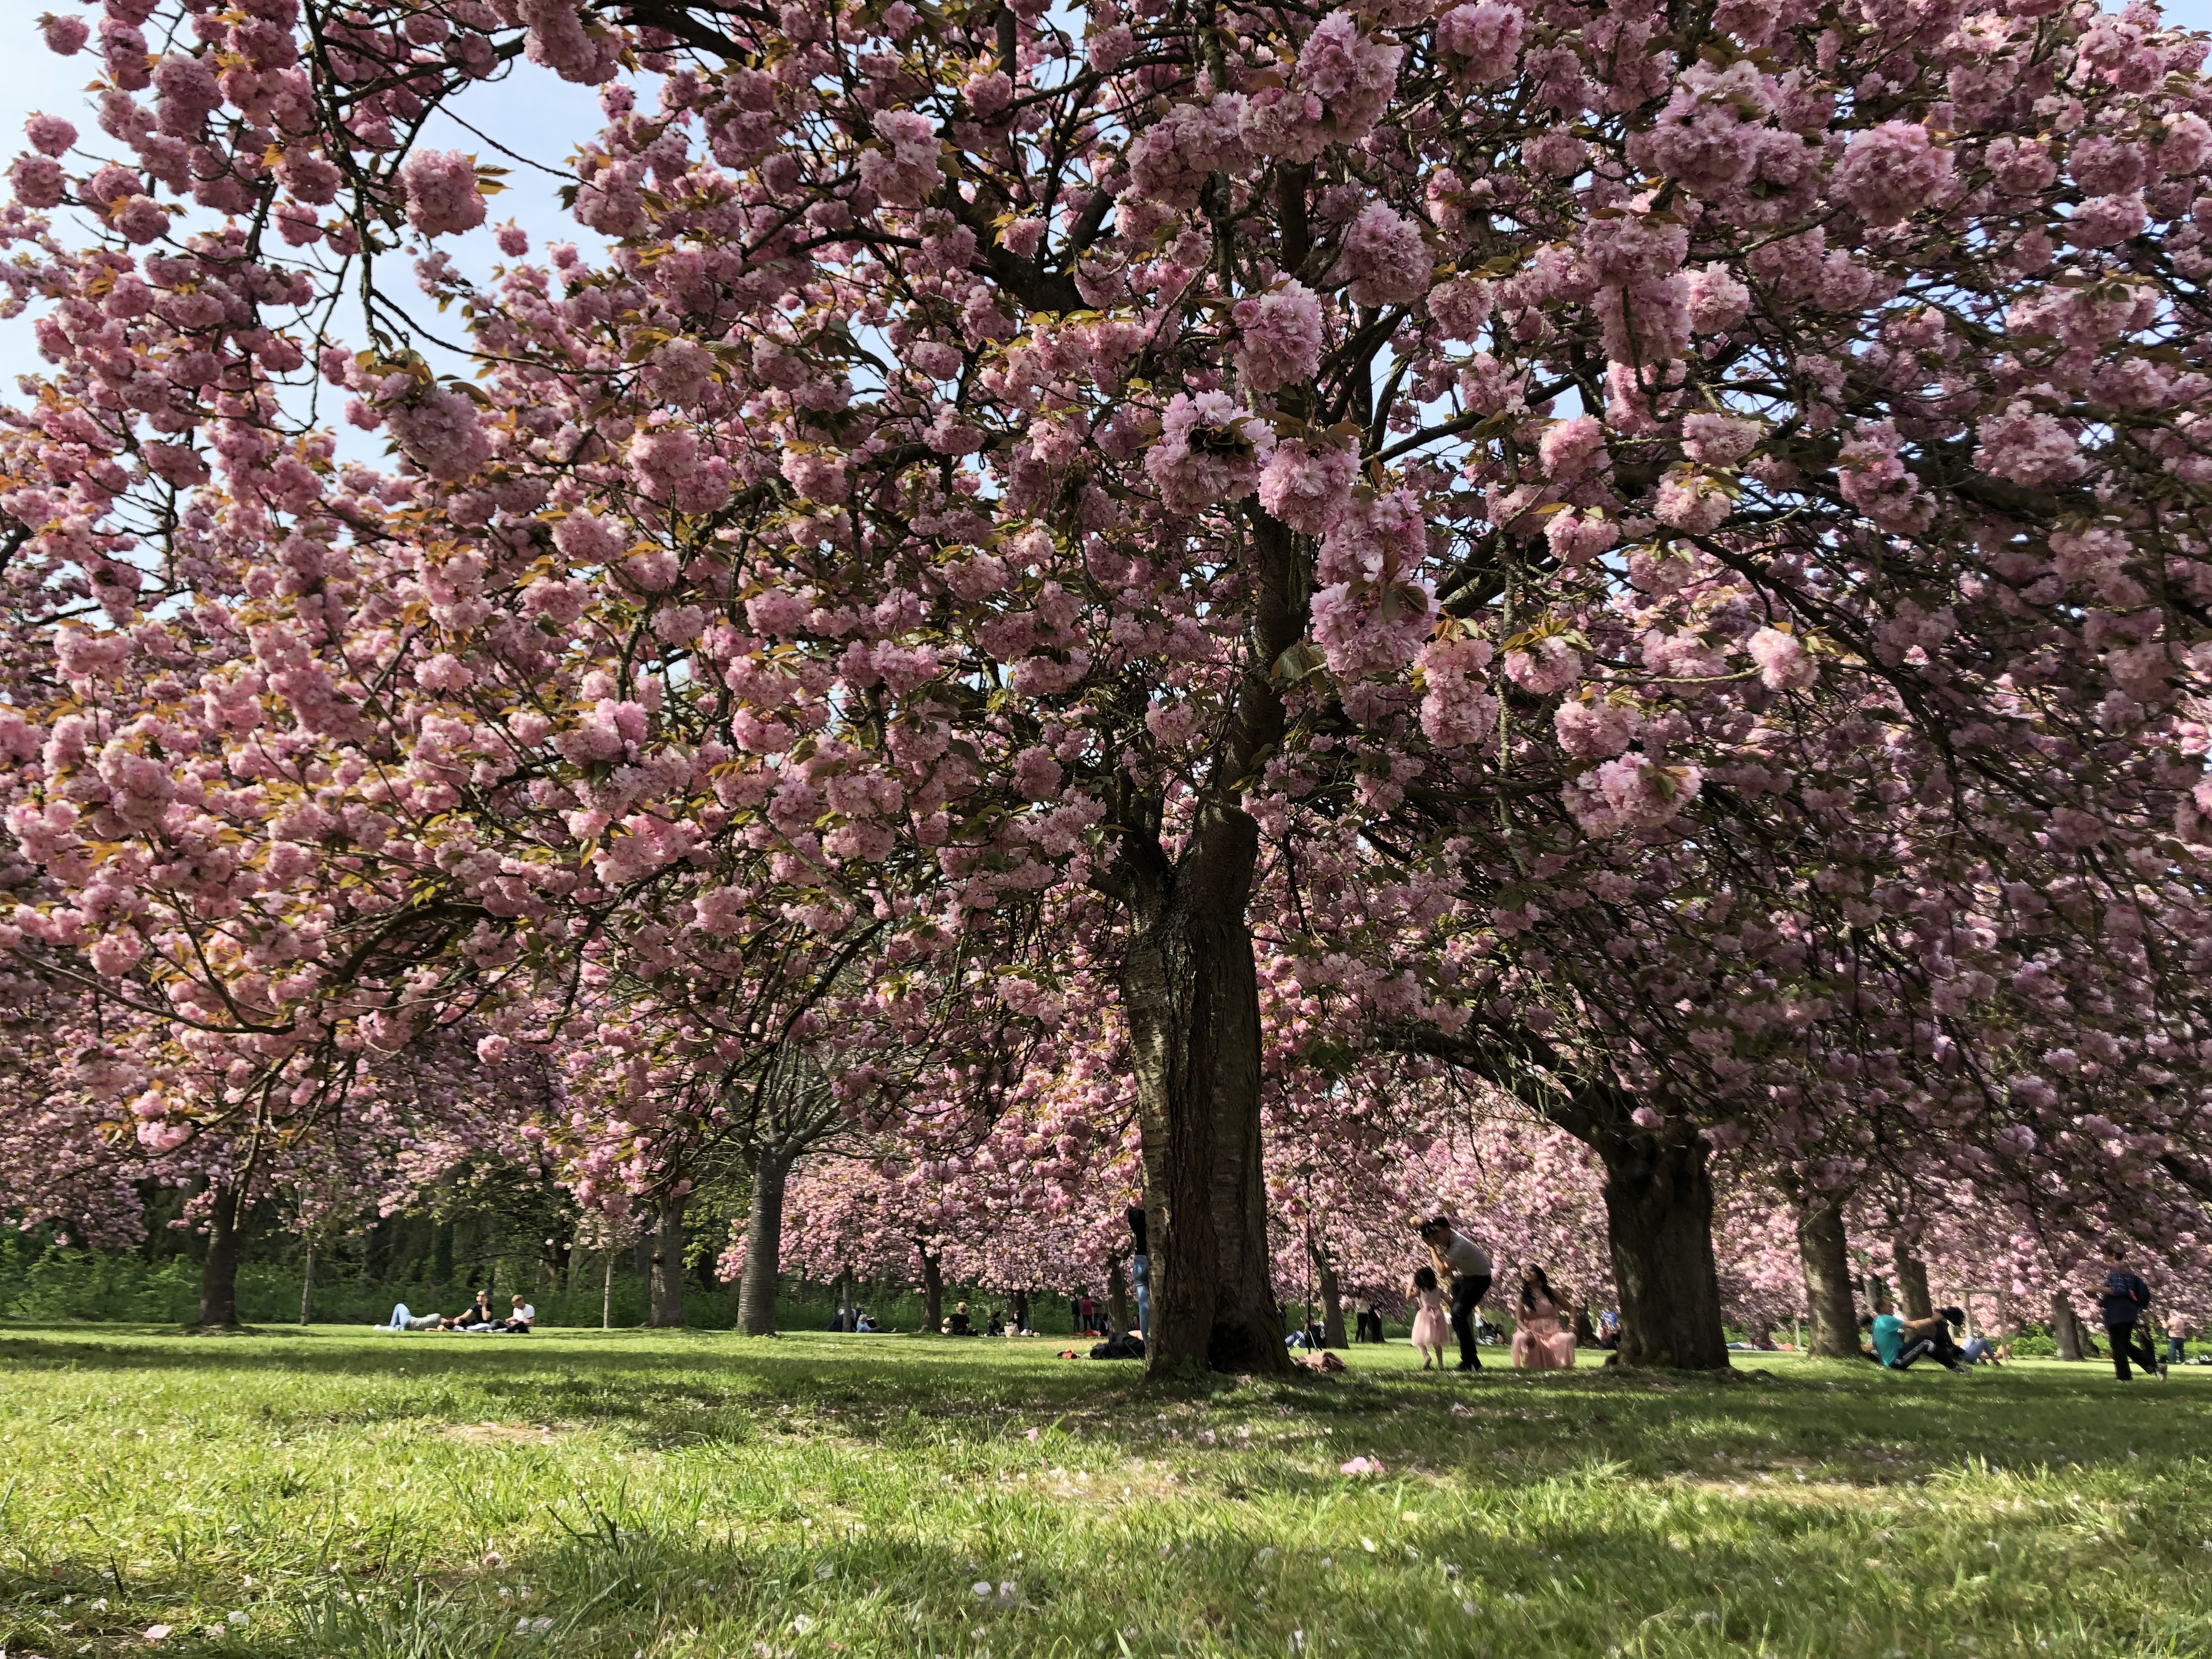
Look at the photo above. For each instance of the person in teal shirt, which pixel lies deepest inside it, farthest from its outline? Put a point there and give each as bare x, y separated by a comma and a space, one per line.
1899, 1342
1887, 1332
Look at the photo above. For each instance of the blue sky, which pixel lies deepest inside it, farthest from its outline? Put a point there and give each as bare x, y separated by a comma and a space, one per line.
531, 112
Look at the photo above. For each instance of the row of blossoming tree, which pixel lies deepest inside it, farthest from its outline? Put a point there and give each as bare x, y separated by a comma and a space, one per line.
1192, 598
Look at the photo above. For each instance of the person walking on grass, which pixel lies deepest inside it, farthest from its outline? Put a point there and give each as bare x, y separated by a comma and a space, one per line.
1468, 1265
1430, 1324
2125, 1301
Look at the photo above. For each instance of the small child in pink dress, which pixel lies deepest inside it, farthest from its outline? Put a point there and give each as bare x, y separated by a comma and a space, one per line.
1431, 1325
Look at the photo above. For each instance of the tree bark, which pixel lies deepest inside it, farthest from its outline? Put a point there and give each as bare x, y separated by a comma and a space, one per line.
764, 1247
607, 1296
847, 1320
1585, 1333
1332, 1302
2065, 1328
307, 1282
219, 1272
932, 1289
1912, 1282
668, 1265
1117, 1297
1192, 993
1021, 1300
1823, 1251
1659, 1207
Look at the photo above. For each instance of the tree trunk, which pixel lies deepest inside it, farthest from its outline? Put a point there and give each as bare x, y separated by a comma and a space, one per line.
1659, 1207
668, 1265
2065, 1328
1823, 1251
219, 1272
932, 1290
1192, 993
1912, 1282
1877, 1293
1117, 1297
307, 1282
1021, 1311
764, 1249
846, 1320
607, 1296
1585, 1333
1332, 1302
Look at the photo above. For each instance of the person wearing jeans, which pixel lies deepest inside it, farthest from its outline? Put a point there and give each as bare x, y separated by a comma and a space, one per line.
2123, 1302
1469, 1264
1140, 1272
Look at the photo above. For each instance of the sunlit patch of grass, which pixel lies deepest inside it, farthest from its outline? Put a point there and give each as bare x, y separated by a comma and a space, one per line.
615, 1494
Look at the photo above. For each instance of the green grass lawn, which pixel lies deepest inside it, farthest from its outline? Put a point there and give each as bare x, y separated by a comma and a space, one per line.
618, 1494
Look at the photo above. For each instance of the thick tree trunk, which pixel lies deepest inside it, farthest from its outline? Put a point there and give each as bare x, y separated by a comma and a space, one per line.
668, 1265
847, 1319
1021, 1311
1332, 1302
1659, 1207
1192, 993
1117, 1297
219, 1272
1824, 1252
764, 1249
2065, 1328
932, 1290
1585, 1333
307, 1282
1912, 1282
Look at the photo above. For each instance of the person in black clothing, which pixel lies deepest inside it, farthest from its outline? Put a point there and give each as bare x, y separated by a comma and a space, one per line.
2126, 1299
479, 1315
959, 1325
1370, 1322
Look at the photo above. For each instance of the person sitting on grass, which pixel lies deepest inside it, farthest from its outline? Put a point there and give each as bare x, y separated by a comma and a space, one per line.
520, 1319
996, 1326
404, 1320
1899, 1342
479, 1316
959, 1324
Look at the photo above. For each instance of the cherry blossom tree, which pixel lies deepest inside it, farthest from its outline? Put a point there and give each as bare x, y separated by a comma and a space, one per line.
1654, 555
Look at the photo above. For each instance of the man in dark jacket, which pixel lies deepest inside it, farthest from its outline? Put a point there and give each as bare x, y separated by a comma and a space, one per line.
2126, 1299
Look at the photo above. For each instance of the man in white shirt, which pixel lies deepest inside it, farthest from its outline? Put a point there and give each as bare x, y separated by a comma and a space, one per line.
1468, 1265
522, 1318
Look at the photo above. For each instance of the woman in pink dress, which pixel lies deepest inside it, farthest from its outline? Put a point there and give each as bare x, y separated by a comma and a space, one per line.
1541, 1340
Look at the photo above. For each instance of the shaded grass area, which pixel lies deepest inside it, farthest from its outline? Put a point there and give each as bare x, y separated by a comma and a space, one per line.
330, 1493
